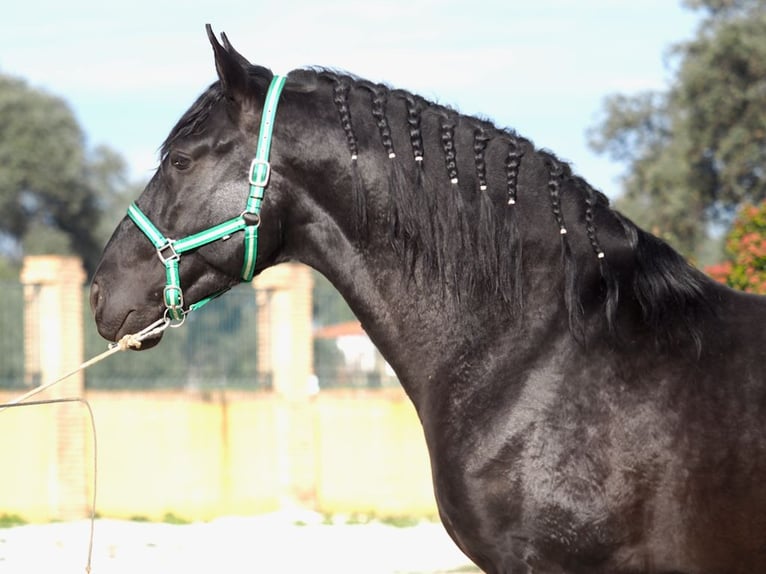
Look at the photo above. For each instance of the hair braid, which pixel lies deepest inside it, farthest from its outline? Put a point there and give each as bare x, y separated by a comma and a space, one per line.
457, 233
486, 230
557, 172
512, 269
340, 99
611, 285
448, 145
512, 167
341, 89
424, 209
480, 141
415, 107
379, 101
590, 226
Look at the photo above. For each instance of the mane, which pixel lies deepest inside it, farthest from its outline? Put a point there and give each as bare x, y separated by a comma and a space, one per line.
456, 219
462, 227
195, 118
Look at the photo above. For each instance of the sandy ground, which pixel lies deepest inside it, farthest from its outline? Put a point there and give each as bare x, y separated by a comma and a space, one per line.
275, 543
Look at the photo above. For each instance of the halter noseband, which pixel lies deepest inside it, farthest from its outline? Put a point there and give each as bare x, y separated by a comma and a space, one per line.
170, 250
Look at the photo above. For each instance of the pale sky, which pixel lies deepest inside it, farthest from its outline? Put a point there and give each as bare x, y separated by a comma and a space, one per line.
130, 69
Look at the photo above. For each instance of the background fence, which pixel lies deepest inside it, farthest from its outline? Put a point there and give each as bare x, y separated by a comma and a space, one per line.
12, 336
241, 410
215, 348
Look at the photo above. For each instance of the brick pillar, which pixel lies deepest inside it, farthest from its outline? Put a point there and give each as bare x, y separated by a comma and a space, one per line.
53, 345
286, 349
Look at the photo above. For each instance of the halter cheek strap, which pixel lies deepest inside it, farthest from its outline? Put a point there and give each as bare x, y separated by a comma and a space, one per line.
170, 250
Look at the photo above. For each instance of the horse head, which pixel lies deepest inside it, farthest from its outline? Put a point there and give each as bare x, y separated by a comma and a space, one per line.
207, 177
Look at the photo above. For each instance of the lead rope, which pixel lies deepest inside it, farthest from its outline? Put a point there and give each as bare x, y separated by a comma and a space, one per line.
130, 341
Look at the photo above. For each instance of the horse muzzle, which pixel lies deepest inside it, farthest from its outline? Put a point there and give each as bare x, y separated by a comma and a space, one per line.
114, 321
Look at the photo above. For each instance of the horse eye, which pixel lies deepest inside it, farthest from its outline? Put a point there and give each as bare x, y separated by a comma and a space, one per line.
180, 162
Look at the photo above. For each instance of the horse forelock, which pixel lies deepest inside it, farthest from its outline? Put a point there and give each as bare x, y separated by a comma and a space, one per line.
194, 121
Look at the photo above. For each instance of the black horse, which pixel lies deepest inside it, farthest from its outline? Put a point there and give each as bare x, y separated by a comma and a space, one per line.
591, 403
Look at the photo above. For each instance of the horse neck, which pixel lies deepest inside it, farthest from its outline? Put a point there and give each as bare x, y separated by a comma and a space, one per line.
425, 305
432, 337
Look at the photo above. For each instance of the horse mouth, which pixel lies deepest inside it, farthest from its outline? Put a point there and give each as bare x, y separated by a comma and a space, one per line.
137, 339
148, 343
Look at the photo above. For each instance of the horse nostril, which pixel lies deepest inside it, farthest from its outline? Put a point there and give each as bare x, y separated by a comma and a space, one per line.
95, 296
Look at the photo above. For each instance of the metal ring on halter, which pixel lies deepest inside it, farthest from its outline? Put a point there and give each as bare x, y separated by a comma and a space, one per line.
251, 219
176, 308
174, 323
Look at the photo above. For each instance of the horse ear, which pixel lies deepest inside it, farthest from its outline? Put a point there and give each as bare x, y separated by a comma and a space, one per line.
228, 63
230, 49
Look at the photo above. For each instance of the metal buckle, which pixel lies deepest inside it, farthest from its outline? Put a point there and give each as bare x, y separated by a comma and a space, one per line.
264, 181
180, 304
172, 256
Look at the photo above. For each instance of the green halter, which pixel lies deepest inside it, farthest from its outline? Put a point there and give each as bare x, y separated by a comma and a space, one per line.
170, 250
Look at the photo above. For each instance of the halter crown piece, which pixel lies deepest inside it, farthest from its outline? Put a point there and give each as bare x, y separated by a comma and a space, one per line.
170, 250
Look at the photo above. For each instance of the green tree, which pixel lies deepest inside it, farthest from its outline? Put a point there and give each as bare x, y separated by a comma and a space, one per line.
696, 151
53, 192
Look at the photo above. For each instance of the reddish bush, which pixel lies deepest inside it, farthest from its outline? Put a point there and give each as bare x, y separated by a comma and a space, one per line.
746, 247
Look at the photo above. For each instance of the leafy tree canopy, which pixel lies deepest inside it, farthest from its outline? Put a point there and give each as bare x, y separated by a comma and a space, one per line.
53, 191
696, 151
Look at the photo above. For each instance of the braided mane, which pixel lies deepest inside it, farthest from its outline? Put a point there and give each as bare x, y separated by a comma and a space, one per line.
462, 228
468, 237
